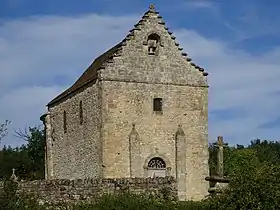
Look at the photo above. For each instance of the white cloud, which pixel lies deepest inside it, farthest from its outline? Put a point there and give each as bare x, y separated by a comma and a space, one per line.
238, 79
199, 4
40, 56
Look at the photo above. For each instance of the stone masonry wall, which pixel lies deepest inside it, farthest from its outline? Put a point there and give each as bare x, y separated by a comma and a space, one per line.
77, 153
61, 191
169, 66
130, 83
181, 106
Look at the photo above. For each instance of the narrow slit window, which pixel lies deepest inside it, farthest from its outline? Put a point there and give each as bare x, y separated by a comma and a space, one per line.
158, 104
64, 122
81, 113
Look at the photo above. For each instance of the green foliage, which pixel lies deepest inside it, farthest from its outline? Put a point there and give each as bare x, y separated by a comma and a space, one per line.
254, 172
123, 201
139, 202
36, 152
267, 151
28, 160
10, 200
241, 162
126, 201
259, 189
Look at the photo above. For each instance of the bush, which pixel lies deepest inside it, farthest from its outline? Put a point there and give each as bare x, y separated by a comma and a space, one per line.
123, 201
9, 200
127, 201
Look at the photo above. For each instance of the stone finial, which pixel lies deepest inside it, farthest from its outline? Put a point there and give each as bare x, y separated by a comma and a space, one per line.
133, 131
152, 7
180, 131
13, 177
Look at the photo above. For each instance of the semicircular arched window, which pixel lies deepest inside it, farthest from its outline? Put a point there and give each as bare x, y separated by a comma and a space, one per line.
156, 163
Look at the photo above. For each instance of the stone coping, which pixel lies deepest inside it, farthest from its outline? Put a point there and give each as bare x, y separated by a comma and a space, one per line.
217, 179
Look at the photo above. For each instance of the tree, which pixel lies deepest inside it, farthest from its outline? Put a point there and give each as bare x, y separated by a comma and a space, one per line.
4, 129
254, 188
35, 148
268, 151
254, 173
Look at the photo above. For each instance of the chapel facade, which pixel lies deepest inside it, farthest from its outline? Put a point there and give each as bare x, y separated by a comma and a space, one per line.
139, 110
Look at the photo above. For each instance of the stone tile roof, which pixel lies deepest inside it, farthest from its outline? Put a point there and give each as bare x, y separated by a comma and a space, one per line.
89, 75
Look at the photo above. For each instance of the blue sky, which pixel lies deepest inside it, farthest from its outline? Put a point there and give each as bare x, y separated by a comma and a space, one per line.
46, 45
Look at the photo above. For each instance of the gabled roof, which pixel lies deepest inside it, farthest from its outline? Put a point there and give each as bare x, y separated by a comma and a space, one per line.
90, 74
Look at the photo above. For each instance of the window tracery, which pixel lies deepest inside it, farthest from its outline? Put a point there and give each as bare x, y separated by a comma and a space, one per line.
156, 163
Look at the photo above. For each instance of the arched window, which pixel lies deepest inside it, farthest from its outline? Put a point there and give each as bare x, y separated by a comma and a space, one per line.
156, 163
153, 43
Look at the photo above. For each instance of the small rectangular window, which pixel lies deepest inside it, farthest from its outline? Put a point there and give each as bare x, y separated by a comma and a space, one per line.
64, 122
81, 113
158, 104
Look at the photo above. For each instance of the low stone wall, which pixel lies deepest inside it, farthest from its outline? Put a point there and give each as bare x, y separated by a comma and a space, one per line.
61, 191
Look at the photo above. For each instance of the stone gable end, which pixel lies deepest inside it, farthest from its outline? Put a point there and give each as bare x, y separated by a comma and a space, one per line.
169, 64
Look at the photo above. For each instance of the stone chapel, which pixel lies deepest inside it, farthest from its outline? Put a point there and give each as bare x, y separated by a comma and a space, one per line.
139, 110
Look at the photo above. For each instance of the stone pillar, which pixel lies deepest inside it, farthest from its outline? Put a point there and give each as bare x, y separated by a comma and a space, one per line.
220, 163
134, 153
180, 144
218, 182
46, 118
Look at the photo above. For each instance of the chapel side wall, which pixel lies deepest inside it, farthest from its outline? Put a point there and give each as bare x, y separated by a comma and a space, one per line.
77, 153
126, 103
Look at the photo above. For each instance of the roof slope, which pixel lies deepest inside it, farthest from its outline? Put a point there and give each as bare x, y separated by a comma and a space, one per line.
89, 75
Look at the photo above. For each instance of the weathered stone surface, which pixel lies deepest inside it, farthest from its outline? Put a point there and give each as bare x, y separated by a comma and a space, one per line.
71, 191
77, 153
123, 95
